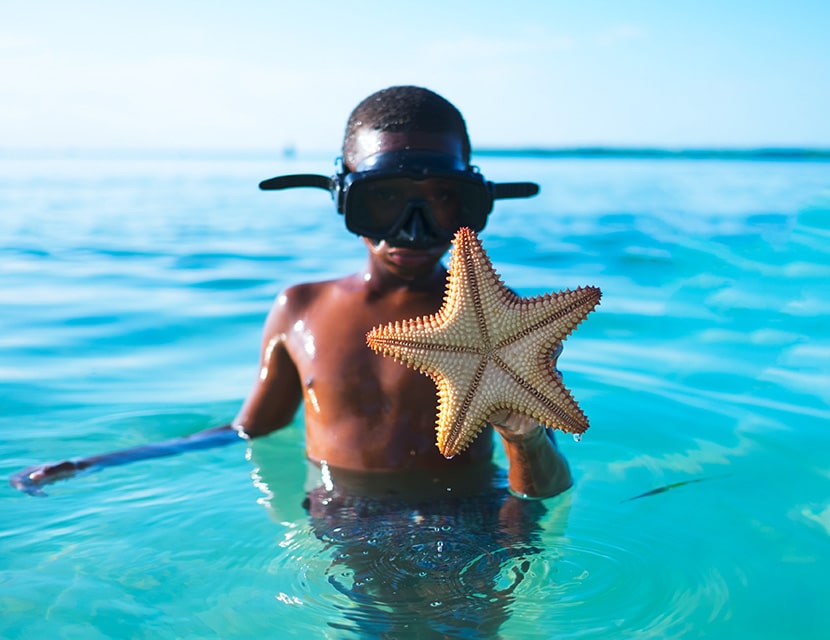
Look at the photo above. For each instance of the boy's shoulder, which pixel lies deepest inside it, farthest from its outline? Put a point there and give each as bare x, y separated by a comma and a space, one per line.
301, 295
304, 301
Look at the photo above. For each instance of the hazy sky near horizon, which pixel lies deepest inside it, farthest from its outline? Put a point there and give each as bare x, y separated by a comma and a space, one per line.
260, 75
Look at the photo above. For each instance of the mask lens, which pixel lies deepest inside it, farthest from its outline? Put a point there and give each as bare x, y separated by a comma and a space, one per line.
456, 203
380, 203
377, 207
443, 199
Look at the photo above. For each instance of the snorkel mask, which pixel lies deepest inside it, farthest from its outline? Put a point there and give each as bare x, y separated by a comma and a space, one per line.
410, 198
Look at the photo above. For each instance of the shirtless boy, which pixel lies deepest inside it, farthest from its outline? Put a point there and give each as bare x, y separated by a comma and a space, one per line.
365, 415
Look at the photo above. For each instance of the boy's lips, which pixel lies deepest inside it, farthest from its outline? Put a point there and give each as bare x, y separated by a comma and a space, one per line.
403, 256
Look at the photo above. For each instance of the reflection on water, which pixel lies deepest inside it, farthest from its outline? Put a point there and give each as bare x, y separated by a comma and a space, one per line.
485, 564
446, 567
384, 559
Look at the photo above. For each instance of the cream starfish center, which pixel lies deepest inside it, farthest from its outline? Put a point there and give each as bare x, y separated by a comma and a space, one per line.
489, 350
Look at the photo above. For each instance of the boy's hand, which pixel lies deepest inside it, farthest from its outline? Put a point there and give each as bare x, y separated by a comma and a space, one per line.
514, 426
31, 480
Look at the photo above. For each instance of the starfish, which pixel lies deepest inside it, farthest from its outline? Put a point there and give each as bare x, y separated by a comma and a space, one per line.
489, 350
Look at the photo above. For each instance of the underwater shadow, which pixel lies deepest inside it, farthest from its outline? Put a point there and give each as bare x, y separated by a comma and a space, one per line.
415, 554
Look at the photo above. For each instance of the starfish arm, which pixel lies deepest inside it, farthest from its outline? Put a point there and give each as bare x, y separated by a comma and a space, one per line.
477, 288
539, 391
540, 394
458, 423
551, 317
493, 388
443, 331
426, 353
472, 404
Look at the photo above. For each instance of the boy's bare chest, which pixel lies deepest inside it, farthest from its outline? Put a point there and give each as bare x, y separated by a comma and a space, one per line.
330, 350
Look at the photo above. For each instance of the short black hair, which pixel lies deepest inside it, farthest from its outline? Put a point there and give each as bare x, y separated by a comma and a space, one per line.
408, 109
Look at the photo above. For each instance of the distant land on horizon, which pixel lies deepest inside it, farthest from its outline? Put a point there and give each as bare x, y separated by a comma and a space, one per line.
288, 152
680, 153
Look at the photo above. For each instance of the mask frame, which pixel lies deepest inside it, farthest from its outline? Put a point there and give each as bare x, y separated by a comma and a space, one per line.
349, 191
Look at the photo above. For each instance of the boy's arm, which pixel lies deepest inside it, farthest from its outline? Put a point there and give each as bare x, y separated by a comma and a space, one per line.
32, 479
271, 405
537, 468
277, 391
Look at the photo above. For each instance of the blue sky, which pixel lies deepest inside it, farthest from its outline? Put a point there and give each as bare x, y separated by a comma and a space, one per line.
263, 75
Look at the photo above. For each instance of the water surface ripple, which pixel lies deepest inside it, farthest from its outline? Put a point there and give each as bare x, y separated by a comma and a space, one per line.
134, 291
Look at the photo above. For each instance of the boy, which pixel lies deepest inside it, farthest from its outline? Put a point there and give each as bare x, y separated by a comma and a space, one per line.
366, 415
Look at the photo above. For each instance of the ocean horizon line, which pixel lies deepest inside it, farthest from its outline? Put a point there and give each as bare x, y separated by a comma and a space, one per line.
288, 152
658, 153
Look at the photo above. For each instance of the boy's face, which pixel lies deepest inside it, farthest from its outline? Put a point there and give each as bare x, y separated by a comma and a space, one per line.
403, 261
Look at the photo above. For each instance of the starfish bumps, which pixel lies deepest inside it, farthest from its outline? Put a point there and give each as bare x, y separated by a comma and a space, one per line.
489, 350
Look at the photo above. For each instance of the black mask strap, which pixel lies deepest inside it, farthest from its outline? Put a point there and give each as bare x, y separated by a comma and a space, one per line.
298, 180
505, 190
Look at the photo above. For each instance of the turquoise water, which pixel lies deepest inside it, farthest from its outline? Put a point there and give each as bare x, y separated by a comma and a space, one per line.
133, 292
